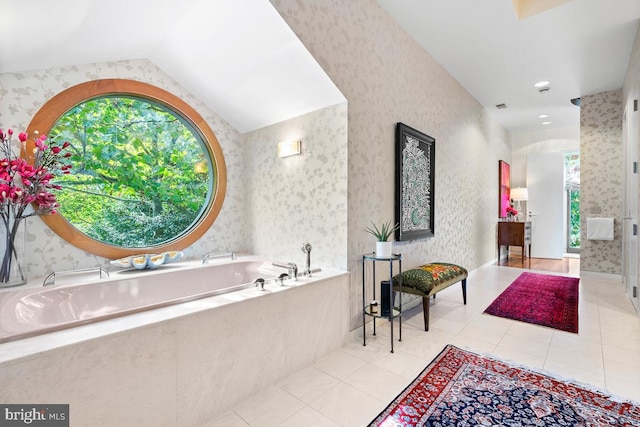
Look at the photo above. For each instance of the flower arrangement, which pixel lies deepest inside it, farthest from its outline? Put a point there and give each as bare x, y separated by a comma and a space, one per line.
511, 212
26, 190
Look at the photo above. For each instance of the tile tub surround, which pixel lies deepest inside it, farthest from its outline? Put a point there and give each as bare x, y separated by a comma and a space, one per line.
183, 364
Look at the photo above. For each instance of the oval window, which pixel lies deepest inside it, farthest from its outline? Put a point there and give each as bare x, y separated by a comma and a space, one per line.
147, 172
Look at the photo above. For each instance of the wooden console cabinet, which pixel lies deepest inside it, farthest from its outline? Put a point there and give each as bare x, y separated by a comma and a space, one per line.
514, 234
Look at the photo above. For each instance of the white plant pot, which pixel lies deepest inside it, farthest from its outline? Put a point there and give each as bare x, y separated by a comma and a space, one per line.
383, 249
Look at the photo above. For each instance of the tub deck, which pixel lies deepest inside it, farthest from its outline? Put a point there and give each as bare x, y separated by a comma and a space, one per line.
36, 311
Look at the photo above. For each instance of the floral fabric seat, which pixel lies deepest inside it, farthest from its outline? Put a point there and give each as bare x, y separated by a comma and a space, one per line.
429, 279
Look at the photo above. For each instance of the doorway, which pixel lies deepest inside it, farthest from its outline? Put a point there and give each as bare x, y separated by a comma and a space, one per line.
545, 176
572, 201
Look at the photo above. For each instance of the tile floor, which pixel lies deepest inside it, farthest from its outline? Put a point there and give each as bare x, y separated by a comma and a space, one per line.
352, 385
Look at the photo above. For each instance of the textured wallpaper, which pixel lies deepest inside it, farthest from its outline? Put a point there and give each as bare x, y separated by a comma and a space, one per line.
601, 178
388, 78
292, 200
24, 93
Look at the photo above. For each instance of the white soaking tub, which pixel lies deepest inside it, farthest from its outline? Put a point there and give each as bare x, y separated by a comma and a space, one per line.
34, 311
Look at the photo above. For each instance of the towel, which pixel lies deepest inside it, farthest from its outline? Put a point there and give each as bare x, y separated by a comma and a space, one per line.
599, 228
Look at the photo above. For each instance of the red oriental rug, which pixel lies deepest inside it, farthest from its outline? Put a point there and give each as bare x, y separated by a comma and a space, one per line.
459, 388
541, 299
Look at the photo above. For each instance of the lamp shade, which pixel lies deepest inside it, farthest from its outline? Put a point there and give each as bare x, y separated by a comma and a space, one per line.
519, 193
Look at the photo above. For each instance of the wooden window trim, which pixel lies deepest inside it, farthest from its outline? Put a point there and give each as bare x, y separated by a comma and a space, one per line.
61, 103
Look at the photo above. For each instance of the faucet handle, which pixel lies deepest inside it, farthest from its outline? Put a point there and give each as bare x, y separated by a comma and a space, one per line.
306, 247
282, 277
259, 282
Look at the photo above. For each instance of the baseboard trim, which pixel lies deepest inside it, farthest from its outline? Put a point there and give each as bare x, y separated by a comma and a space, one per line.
599, 275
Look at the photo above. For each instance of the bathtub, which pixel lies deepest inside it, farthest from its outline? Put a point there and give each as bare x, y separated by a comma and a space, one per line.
36, 311
180, 364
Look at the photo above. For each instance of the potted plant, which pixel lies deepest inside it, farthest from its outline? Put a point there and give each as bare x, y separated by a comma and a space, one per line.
382, 234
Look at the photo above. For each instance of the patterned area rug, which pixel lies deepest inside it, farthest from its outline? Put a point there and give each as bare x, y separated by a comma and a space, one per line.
541, 299
460, 388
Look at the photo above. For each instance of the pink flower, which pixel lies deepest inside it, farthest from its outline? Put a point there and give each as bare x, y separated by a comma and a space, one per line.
23, 183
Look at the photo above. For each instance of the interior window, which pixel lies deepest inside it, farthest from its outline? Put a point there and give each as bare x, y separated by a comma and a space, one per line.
147, 172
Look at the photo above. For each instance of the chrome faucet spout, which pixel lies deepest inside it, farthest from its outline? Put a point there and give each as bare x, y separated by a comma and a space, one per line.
207, 257
291, 266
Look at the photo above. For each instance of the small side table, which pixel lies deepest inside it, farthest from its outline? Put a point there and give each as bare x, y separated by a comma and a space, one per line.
514, 234
393, 311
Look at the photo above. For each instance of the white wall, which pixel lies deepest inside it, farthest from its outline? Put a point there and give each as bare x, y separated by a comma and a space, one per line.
292, 200
601, 178
386, 78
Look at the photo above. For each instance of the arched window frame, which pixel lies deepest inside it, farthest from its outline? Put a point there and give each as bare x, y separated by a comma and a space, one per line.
56, 107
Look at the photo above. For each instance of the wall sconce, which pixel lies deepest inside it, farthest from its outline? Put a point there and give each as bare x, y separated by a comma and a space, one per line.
289, 148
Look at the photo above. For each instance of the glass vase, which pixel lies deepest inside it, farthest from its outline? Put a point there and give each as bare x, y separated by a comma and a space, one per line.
12, 248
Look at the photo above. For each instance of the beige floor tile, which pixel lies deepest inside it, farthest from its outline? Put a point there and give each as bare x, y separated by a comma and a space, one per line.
572, 372
229, 419
339, 364
308, 417
404, 364
519, 357
525, 344
269, 408
377, 382
347, 406
481, 333
588, 343
366, 353
625, 390
628, 358
472, 344
309, 384
615, 369
351, 386
576, 358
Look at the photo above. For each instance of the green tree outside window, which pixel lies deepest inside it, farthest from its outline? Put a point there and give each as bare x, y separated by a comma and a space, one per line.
141, 174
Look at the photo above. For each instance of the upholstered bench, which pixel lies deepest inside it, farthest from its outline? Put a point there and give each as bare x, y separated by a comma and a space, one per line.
429, 279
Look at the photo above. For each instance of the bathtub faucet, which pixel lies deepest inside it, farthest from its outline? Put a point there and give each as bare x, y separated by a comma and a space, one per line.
259, 283
306, 248
207, 257
291, 266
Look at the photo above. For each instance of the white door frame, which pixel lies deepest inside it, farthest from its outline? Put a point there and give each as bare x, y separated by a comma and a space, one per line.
630, 249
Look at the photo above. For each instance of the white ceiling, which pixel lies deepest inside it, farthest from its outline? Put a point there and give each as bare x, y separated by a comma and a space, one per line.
581, 47
237, 56
241, 59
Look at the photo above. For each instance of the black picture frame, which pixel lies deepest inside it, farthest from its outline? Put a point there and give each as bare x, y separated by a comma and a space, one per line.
415, 183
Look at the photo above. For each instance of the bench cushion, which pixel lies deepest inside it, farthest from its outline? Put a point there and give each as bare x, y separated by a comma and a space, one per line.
425, 278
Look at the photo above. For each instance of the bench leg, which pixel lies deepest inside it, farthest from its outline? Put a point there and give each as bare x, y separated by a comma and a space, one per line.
425, 312
464, 291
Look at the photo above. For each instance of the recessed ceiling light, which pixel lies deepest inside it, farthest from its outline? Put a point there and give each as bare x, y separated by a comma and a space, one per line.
546, 123
541, 84
543, 116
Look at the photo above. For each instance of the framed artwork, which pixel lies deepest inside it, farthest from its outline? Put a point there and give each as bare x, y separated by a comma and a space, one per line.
504, 189
415, 183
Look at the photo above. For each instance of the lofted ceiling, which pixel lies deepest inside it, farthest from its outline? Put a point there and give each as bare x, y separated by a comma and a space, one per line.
498, 50
244, 62
237, 56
